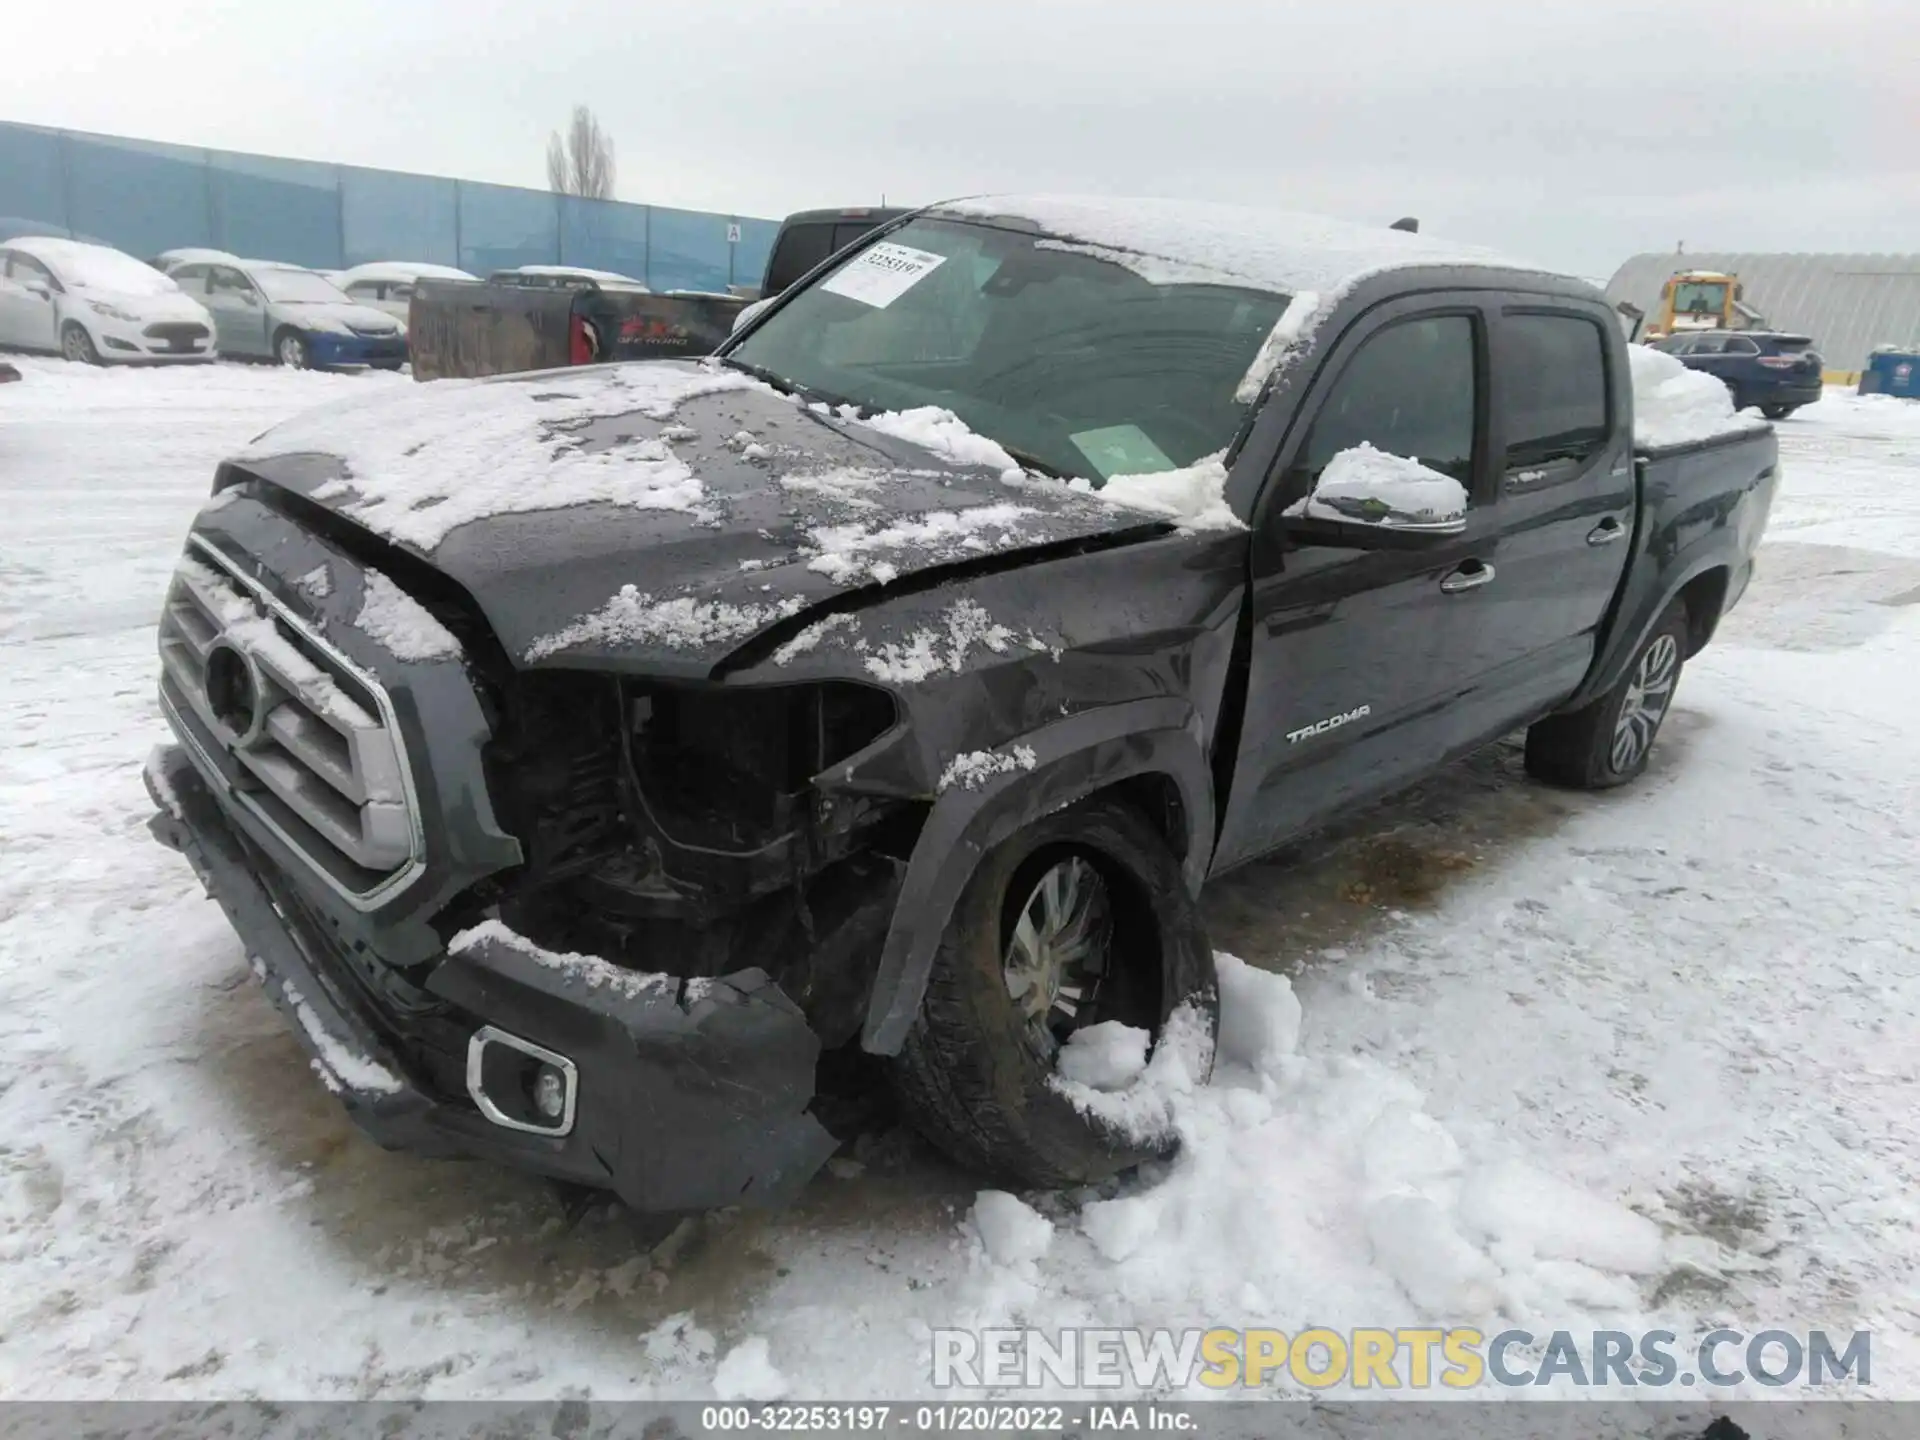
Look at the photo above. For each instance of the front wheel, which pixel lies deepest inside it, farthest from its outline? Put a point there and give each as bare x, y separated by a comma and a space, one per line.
1778, 412
1607, 742
1082, 917
77, 345
291, 350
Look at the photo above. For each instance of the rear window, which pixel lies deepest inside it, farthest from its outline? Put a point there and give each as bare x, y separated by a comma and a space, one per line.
1792, 345
1556, 389
798, 250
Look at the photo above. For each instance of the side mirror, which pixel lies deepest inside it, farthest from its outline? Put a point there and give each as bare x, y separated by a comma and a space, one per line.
36, 288
1370, 497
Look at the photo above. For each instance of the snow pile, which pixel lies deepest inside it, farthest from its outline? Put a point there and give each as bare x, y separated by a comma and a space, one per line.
635, 617
925, 653
1195, 496
1106, 1056
401, 623
942, 432
589, 970
846, 485
746, 1372
317, 582
1285, 1159
1011, 1231
973, 769
422, 464
1673, 405
938, 535
1365, 479
338, 1067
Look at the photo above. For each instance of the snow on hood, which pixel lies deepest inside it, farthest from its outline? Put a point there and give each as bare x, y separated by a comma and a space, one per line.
363, 316
664, 512
1673, 405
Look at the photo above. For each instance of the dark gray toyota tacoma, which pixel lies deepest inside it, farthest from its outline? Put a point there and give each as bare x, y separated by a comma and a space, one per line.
597, 764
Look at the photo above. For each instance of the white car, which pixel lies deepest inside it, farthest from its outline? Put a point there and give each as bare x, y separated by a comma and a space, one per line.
94, 304
388, 284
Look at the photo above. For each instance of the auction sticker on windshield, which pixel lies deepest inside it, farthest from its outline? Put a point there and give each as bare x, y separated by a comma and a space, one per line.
881, 274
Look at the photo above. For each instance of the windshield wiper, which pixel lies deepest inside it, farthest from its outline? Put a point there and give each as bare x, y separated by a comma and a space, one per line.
1031, 461
778, 381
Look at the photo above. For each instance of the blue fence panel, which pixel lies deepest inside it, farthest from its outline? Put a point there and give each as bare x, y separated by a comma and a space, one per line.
141, 197
604, 235
32, 199
689, 251
388, 216
753, 249
501, 227
267, 209
145, 197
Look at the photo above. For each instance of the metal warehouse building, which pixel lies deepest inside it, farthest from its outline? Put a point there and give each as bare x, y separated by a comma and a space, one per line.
145, 196
1848, 303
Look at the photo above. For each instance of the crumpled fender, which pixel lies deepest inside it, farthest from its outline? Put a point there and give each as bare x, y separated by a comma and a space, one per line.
1074, 757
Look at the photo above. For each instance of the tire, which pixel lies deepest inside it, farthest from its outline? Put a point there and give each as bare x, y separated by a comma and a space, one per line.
1778, 412
290, 350
1606, 743
77, 345
971, 1076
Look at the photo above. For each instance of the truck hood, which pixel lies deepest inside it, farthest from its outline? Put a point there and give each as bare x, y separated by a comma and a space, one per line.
657, 516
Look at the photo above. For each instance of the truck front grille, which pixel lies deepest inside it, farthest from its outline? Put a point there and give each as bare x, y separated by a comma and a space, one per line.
289, 728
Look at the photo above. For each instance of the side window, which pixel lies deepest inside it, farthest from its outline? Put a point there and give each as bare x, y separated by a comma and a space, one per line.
1674, 345
25, 270
1739, 345
1412, 390
399, 292
1708, 345
363, 290
224, 280
1554, 390
192, 279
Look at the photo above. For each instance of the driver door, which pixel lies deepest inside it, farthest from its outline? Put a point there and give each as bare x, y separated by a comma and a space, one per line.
239, 315
1357, 640
28, 315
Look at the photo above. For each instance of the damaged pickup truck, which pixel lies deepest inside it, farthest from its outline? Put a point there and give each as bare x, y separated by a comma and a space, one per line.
594, 763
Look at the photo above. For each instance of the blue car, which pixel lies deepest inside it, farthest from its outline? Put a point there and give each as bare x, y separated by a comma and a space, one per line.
1779, 373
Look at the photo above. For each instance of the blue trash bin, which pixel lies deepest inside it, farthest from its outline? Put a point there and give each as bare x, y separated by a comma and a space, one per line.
1892, 372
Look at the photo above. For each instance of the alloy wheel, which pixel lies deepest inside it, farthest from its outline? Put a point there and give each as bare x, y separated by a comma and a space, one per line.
1648, 694
1057, 954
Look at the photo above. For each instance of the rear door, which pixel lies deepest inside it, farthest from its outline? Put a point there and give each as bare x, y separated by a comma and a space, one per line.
1352, 649
1563, 431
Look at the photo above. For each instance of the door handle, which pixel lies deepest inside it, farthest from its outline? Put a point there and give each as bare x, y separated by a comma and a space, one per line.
1606, 532
1470, 576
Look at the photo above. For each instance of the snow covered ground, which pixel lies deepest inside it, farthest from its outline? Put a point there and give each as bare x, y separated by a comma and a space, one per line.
1547, 1059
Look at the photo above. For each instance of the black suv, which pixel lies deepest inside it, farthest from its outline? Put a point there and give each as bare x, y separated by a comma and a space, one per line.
1779, 373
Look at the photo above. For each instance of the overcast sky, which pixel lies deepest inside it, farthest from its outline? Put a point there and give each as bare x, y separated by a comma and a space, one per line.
1571, 133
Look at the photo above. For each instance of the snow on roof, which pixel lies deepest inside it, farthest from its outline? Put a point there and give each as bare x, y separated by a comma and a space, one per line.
571, 272
402, 272
1279, 250
196, 255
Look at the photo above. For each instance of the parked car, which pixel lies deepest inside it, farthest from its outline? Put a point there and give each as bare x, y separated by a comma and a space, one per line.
388, 284
94, 304
1777, 372
268, 311
807, 239
566, 277
592, 776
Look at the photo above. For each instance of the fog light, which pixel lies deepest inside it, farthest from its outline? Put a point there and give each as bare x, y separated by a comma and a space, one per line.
520, 1085
550, 1093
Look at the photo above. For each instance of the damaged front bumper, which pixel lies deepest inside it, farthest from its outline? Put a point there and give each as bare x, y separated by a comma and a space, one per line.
678, 1096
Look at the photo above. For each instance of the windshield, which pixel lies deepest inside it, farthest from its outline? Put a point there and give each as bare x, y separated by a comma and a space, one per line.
1699, 297
299, 287
110, 270
1072, 361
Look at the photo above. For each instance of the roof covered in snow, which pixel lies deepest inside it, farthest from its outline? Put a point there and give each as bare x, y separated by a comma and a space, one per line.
401, 272
1278, 250
1847, 303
